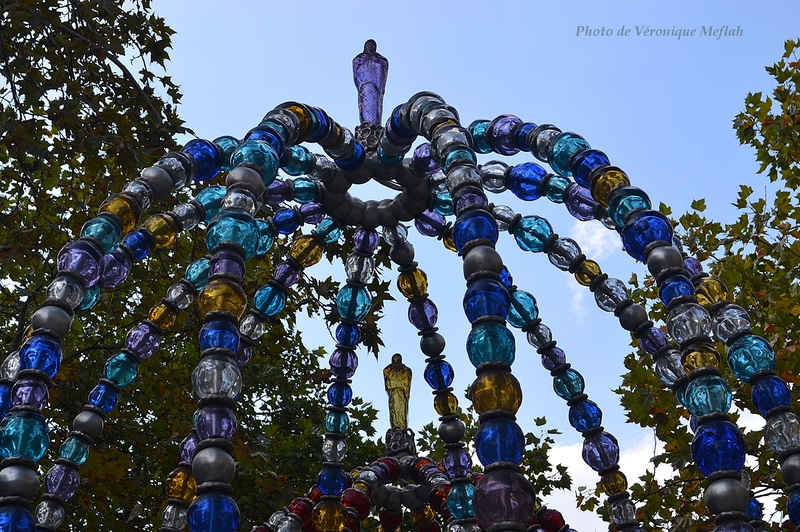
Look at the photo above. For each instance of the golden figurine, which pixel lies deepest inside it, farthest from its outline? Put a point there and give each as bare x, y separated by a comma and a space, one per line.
397, 381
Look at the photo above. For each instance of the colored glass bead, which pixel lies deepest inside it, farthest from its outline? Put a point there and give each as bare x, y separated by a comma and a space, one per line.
652, 340
490, 342
459, 500
707, 394
413, 283
769, 392
261, 154
563, 252
523, 309
90, 297
215, 421
532, 232
443, 204
498, 134
624, 200
74, 449
82, 258
472, 225
329, 230
718, 445
457, 462
121, 369
525, 181
123, 207
478, 131
105, 230
329, 516
332, 480
213, 512
499, 439
606, 181
188, 447
429, 223
163, 228
42, 353
15, 518
494, 390
30, 392
143, 340
211, 199
62, 481
226, 145
692, 266
207, 156
116, 266
337, 422
439, 374
287, 221
222, 294
585, 415
301, 162
339, 394
163, 316
234, 227
643, 228
197, 273
5, 398
600, 451
504, 495
423, 314
552, 357
700, 355
270, 300
750, 354
562, 149
675, 286
586, 272
343, 363
353, 302
584, 162
486, 297
710, 291
24, 434
610, 293
103, 397
569, 383
614, 483
793, 507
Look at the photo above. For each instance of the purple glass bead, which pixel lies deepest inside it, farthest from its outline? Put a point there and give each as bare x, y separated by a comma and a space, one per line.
215, 421
504, 495
143, 340
457, 462
468, 196
600, 451
553, 357
693, 423
81, 258
366, 240
312, 213
189, 447
286, 274
243, 354
115, 266
32, 392
423, 314
369, 74
498, 134
653, 340
62, 481
692, 266
430, 223
580, 203
227, 261
422, 163
344, 363
278, 191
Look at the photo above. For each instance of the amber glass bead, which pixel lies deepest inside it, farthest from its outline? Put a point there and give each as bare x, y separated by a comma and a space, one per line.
125, 208
164, 229
587, 271
700, 355
305, 121
710, 291
610, 179
447, 240
306, 250
494, 390
361, 485
424, 516
28, 333
413, 283
334, 137
445, 404
329, 516
181, 484
440, 125
163, 316
614, 483
222, 294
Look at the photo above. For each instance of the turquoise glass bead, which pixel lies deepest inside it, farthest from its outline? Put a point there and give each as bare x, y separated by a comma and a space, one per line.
121, 369
301, 162
707, 394
624, 200
556, 188
105, 230
523, 309
329, 230
197, 273
337, 422
91, 296
24, 434
388, 161
305, 190
443, 204
270, 300
236, 227
532, 232
459, 500
227, 146
259, 153
478, 131
75, 449
562, 149
749, 355
490, 342
458, 156
568, 384
266, 237
211, 198
353, 302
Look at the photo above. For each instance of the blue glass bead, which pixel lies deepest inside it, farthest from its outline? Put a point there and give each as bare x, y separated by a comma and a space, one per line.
234, 227
505, 278
347, 334
75, 449
585, 415
708, 394
211, 198
754, 511
302, 162
600, 451
523, 309
208, 157
525, 181
270, 300
197, 273
305, 190
793, 507
16, 519
478, 131
624, 200
337, 422
5, 398
213, 512
769, 392
219, 333
91, 296
485, 297
139, 244
287, 221
568, 384
103, 397
562, 149
24, 434
532, 232
556, 188
499, 440
319, 125
459, 500
490, 342
42, 353
718, 445
353, 302
443, 204
266, 237
329, 230
270, 132
332, 480
583, 164
675, 286
105, 230
439, 374
121, 369
355, 161
521, 136
226, 145
749, 355
340, 394
457, 157
643, 228
472, 225
259, 153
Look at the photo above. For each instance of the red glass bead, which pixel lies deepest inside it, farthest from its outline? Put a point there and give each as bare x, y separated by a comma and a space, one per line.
390, 521
438, 497
303, 508
476, 478
394, 468
551, 520
416, 469
353, 522
314, 493
357, 500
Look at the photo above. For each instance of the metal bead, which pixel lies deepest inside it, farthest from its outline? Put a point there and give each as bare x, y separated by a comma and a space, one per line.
452, 430
402, 254
213, 464
159, 180
379, 496
726, 495
482, 258
89, 423
394, 499
632, 316
432, 344
19, 481
410, 499
53, 318
663, 257
791, 469
247, 178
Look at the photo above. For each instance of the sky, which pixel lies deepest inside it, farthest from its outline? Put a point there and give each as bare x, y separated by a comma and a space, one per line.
661, 107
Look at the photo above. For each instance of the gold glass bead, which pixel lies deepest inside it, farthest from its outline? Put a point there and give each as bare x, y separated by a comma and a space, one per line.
329, 516
424, 516
164, 229
496, 389
222, 294
440, 125
699, 355
447, 240
710, 291
445, 404
413, 283
611, 178
336, 138
125, 208
362, 486
305, 121
306, 250
181, 484
587, 271
614, 483
163, 316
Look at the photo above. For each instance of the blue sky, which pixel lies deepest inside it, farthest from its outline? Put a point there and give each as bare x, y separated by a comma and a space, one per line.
659, 106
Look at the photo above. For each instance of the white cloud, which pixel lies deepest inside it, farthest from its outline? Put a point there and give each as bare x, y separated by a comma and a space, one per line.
595, 240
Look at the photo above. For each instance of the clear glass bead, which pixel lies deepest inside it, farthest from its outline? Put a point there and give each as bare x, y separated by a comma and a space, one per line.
438, 182
563, 252
504, 216
463, 175
175, 169
453, 138
730, 321
322, 167
252, 327
688, 321
543, 141
746, 480
49, 513
141, 192
783, 432
174, 516
240, 200
493, 175
276, 519
346, 147
181, 295
216, 375
10, 367
668, 367
623, 511
292, 523
188, 215
334, 449
66, 289
539, 335
610, 293
360, 268
395, 235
